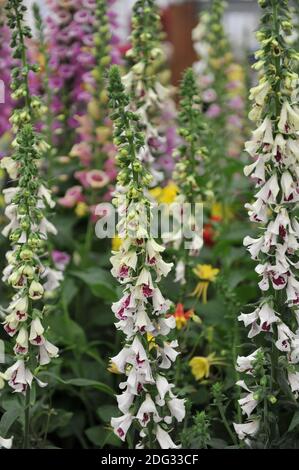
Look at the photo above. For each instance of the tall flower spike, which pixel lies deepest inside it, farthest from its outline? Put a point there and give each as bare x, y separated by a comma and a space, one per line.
191, 170
98, 106
192, 152
48, 93
275, 149
6, 64
212, 45
28, 272
69, 28
222, 85
148, 95
147, 399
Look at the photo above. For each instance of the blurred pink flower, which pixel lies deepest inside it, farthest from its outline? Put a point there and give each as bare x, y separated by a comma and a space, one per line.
209, 95
72, 197
83, 152
82, 177
206, 80
61, 259
110, 168
233, 85
236, 103
235, 121
213, 111
97, 179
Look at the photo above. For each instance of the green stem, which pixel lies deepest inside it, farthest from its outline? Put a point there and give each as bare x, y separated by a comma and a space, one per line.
150, 435
27, 419
23, 59
225, 422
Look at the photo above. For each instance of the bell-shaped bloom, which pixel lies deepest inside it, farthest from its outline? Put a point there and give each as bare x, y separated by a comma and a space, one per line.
164, 439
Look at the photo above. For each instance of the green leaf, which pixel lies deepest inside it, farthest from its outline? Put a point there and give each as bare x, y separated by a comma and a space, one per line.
68, 291
100, 436
104, 291
81, 382
60, 419
67, 331
105, 412
8, 419
100, 282
294, 422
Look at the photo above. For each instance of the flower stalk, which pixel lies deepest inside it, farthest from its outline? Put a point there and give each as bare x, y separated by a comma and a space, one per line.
147, 400
28, 270
148, 95
274, 148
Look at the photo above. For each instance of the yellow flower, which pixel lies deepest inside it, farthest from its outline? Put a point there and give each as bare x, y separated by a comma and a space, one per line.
116, 243
165, 195
156, 192
216, 63
113, 368
103, 134
93, 109
151, 341
81, 209
206, 273
200, 366
41, 61
235, 73
220, 211
217, 210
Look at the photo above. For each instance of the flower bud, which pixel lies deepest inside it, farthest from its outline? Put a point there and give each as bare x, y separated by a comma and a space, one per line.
272, 399
26, 255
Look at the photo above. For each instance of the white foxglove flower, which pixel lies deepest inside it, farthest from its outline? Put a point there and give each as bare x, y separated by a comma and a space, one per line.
247, 403
147, 411
180, 273
36, 332
260, 319
36, 290
293, 379
177, 408
245, 363
165, 440
6, 443
121, 425
163, 387
248, 429
125, 401
47, 351
10, 165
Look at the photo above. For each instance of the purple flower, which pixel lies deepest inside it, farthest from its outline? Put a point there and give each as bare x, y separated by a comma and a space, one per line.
82, 17
89, 4
66, 71
6, 64
213, 111
209, 95
60, 259
235, 121
236, 103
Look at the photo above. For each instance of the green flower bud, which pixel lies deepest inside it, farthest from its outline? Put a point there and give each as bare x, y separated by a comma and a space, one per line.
26, 255
272, 399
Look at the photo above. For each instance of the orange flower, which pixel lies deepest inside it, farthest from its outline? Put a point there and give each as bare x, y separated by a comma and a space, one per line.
182, 317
